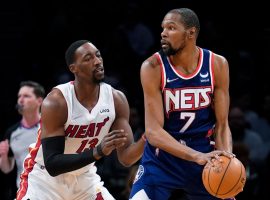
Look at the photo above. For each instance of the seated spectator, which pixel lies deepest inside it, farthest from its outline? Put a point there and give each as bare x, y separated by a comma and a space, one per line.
242, 133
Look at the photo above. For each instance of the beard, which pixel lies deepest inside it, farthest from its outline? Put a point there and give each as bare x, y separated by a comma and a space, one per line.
98, 80
98, 77
170, 51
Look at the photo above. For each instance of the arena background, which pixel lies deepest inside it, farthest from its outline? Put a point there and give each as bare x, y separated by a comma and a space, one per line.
35, 34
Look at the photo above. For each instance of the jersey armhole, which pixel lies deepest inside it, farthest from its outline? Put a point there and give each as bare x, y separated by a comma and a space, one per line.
162, 71
212, 71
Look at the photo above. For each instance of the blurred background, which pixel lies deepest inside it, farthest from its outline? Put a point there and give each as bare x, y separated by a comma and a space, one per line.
35, 34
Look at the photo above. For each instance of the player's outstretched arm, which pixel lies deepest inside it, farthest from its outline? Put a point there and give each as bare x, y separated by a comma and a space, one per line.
131, 151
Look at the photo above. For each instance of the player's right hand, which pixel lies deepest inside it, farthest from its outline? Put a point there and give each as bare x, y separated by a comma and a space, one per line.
113, 140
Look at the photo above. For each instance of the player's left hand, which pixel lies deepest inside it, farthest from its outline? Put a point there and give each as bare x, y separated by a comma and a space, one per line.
210, 157
113, 140
215, 155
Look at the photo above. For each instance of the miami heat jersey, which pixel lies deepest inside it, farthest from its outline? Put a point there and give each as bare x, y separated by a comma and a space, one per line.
187, 99
84, 129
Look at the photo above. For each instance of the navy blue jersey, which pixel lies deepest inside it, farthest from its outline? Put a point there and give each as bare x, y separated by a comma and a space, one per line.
189, 117
188, 99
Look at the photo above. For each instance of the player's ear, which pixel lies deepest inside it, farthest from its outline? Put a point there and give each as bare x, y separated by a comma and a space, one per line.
191, 32
72, 67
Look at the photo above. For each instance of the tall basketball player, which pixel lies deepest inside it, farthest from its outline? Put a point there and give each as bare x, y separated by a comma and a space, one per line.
81, 121
186, 100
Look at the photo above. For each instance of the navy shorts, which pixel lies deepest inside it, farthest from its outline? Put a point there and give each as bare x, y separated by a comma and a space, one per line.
160, 173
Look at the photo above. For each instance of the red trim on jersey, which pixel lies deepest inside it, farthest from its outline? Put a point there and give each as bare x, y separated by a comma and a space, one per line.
28, 167
199, 65
210, 132
212, 69
99, 196
161, 71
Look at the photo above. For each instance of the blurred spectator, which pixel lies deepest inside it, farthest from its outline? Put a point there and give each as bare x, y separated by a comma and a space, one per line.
14, 147
264, 193
251, 186
261, 124
128, 183
242, 133
245, 102
130, 43
135, 32
135, 122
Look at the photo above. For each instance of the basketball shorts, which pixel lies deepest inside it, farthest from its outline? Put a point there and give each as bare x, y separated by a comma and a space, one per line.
160, 173
143, 190
39, 185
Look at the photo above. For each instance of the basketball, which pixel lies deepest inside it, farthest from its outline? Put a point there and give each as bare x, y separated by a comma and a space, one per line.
225, 179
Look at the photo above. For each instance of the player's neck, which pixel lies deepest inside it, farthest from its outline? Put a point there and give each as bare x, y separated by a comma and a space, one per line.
84, 91
87, 95
187, 60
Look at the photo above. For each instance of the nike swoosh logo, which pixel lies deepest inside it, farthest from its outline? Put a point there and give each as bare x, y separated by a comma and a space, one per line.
204, 75
171, 80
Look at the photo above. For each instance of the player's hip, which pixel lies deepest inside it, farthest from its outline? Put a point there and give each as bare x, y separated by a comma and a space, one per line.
38, 184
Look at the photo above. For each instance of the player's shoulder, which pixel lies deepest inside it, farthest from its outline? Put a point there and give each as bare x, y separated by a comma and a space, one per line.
151, 62
219, 59
118, 95
120, 102
55, 94
54, 99
220, 65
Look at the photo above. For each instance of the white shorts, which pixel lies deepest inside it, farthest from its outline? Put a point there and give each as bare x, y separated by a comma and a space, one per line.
41, 186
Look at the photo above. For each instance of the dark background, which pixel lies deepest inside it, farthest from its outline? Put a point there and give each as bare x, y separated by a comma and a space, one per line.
35, 34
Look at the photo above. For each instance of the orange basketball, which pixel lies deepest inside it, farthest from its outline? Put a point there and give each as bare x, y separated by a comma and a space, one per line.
225, 179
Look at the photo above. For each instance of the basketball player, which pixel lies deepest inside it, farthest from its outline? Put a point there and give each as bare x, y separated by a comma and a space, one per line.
186, 100
20, 135
81, 121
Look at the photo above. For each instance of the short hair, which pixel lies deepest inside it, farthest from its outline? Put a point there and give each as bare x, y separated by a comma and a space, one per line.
188, 17
69, 55
39, 90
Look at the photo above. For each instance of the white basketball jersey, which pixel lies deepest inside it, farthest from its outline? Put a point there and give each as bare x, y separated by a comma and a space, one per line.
84, 129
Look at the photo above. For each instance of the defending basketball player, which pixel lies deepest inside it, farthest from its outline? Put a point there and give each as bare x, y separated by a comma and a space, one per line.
186, 94
81, 121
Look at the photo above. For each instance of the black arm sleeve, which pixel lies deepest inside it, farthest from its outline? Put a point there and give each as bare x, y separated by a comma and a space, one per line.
56, 162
